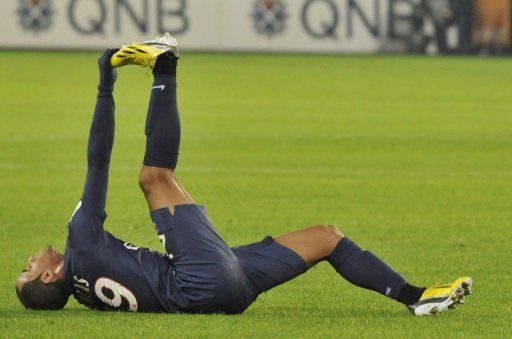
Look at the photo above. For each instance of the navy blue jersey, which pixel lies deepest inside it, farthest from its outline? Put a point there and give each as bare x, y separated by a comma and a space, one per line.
107, 273
199, 273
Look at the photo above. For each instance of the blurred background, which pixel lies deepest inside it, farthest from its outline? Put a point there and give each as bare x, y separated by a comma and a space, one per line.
333, 26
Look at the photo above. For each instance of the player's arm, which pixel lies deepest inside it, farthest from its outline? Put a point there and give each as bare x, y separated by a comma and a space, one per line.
101, 136
87, 221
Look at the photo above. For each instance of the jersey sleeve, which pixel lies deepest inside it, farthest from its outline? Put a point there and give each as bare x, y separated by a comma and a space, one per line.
85, 229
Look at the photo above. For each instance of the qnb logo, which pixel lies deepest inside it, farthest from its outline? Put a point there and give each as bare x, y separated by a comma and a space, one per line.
269, 17
35, 15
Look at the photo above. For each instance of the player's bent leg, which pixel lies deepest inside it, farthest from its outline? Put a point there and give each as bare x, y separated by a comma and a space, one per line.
162, 189
274, 261
361, 268
312, 244
364, 269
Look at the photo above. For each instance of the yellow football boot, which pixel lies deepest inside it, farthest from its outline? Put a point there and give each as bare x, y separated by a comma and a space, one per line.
145, 53
440, 298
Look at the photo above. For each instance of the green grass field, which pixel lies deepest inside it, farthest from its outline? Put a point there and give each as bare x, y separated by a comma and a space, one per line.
410, 156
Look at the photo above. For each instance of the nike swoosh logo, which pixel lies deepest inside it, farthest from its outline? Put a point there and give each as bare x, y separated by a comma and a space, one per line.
161, 87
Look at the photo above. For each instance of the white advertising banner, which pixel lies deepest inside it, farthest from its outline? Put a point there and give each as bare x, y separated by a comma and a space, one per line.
360, 26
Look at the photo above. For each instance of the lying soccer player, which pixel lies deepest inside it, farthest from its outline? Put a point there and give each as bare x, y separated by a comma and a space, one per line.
199, 273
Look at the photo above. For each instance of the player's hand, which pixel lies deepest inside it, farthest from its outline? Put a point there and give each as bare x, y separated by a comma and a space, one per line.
105, 68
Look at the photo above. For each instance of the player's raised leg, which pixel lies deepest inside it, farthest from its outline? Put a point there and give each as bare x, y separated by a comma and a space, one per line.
163, 131
206, 272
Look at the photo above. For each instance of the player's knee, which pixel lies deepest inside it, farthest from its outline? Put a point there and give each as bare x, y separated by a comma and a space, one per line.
329, 232
330, 237
153, 177
335, 231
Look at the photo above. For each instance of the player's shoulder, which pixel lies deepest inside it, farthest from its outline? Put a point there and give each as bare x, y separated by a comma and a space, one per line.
85, 228
84, 208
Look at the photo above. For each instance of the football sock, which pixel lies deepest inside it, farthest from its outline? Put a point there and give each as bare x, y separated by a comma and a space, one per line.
163, 123
364, 269
410, 294
101, 140
165, 64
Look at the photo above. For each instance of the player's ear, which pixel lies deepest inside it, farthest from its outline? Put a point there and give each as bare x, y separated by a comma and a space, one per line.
47, 276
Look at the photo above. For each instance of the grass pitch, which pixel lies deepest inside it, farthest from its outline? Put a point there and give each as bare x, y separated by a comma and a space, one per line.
410, 156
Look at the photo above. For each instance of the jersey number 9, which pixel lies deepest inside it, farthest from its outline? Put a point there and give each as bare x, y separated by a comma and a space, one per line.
117, 293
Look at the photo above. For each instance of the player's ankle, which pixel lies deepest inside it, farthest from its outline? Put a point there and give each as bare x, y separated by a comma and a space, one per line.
166, 64
410, 294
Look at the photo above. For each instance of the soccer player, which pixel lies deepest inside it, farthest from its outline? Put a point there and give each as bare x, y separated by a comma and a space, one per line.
199, 272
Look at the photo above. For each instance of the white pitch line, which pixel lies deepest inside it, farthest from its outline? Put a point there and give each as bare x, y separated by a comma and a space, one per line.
255, 171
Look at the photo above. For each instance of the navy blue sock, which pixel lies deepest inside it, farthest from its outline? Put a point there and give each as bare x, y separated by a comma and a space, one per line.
163, 123
364, 269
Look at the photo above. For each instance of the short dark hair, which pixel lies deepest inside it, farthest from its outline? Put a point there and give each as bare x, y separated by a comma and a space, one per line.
37, 295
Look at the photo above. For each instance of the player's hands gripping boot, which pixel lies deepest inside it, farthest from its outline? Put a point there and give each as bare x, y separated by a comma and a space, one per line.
440, 298
145, 53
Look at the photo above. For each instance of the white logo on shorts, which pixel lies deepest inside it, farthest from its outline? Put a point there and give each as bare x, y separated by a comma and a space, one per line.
162, 240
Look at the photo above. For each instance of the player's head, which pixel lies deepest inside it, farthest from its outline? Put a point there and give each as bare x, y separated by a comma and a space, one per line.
41, 285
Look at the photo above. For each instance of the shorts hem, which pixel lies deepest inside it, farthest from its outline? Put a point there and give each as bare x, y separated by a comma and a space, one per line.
300, 262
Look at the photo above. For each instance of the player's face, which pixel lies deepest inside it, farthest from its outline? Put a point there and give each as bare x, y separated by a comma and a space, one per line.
46, 263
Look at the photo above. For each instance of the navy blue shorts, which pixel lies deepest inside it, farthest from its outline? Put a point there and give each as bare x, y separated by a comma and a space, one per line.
212, 277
